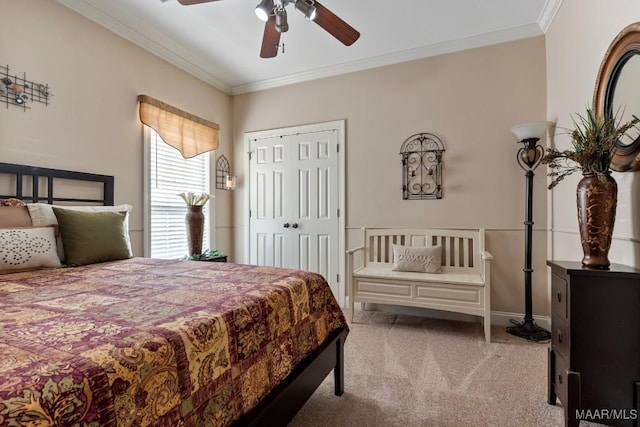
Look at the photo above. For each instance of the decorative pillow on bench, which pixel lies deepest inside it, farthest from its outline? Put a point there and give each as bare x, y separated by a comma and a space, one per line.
423, 259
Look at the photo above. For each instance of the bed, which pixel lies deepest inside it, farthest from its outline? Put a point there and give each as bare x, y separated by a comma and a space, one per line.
140, 341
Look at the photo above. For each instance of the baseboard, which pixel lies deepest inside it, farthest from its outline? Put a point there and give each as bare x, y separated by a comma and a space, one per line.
503, 318
498, 318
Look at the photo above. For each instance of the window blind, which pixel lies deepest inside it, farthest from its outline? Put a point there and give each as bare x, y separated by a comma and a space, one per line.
171, 174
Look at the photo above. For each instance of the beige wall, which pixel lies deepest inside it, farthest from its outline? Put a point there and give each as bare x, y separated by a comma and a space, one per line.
92, 124
470, 99
576, 43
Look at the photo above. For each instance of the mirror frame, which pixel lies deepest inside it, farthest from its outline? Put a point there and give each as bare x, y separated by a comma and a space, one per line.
626, 158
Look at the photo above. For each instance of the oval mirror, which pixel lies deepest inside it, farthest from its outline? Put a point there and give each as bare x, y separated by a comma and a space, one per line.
617, 94
625, 96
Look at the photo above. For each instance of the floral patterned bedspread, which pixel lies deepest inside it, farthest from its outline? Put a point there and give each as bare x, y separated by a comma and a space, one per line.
153, 342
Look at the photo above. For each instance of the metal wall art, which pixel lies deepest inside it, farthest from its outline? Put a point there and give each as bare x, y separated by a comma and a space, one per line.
19, 91
422, 167
224, 179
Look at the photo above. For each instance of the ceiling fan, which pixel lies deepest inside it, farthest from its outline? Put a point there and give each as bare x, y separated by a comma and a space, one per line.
274, 14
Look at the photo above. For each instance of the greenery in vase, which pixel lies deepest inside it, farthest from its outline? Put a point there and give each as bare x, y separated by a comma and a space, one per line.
593, 140
207, 254
195, 199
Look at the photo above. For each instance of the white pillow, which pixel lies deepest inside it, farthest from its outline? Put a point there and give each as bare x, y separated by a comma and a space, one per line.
423, 259
42, 216
24, 248
42, 213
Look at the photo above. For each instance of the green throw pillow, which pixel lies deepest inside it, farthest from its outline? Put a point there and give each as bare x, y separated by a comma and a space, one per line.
90, 237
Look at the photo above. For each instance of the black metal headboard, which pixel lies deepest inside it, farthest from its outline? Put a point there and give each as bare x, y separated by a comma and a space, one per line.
20, 171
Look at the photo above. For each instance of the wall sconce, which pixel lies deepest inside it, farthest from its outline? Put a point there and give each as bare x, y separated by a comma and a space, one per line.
422, 167
224, 179
529, 157
230, 182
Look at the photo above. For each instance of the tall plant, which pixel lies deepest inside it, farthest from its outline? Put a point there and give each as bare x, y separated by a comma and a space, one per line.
593, 139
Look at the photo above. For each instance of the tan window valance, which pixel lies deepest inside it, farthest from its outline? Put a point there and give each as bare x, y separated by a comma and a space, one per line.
189, 134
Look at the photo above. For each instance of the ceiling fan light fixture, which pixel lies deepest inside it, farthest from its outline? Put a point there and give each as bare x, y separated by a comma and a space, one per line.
264, 9
307, 8
282, 25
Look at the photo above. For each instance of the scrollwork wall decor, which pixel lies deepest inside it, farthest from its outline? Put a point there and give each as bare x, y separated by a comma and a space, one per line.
422, 167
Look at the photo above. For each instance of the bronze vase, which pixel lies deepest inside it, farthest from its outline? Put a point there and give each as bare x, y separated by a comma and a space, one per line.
194, 220
597, 198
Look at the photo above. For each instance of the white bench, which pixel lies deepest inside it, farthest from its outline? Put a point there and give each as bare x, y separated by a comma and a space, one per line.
464, 286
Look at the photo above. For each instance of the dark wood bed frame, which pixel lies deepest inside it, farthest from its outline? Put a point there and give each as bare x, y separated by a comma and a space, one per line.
282, 404
35, 174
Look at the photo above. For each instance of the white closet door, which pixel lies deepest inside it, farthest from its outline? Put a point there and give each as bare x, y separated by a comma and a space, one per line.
294, 203
314, 210
268, 204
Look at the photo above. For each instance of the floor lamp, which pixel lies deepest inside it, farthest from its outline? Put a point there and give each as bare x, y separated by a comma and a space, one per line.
529, 156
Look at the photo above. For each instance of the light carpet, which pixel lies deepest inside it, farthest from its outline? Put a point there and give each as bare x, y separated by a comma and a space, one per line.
413, 371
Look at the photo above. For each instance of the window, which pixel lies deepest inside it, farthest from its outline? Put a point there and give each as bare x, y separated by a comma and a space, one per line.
168, 174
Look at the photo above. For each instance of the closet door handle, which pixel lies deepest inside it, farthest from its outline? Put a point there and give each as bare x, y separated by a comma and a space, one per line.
286, 225
295, 225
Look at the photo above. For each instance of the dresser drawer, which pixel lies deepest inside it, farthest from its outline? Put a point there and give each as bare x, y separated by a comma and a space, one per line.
559, 296
560, 335
560, 380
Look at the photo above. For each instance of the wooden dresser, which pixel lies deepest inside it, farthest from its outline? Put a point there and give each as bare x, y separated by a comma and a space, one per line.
594, 358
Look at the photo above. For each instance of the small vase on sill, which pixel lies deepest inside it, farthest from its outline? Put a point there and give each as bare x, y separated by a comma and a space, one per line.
597, 198
194, 220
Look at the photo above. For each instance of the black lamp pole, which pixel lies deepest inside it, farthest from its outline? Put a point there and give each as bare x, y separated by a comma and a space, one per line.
529, 156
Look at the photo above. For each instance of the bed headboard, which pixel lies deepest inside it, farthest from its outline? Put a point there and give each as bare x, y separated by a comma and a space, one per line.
37, 174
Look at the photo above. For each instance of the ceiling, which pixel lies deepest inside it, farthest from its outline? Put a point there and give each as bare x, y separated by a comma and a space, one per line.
219, 42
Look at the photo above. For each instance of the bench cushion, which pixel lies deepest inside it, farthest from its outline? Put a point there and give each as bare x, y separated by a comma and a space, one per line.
386, 272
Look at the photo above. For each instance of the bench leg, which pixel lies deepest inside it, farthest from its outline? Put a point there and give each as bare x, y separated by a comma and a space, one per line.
487, 313
351, 302
487, 328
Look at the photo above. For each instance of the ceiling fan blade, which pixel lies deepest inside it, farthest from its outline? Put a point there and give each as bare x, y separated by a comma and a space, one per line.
189, 2
270, 39
335, 26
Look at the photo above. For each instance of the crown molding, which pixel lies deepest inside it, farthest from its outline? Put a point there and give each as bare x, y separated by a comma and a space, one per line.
548, 14
487, 39
191, 63
160, 45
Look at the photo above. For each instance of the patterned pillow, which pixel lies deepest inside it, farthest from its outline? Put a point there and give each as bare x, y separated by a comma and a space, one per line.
25, 248
12, 202
423, 259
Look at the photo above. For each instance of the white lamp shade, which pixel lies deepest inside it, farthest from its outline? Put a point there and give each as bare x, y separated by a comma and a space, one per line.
307, 8
531, 130
262, 14
264, 9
